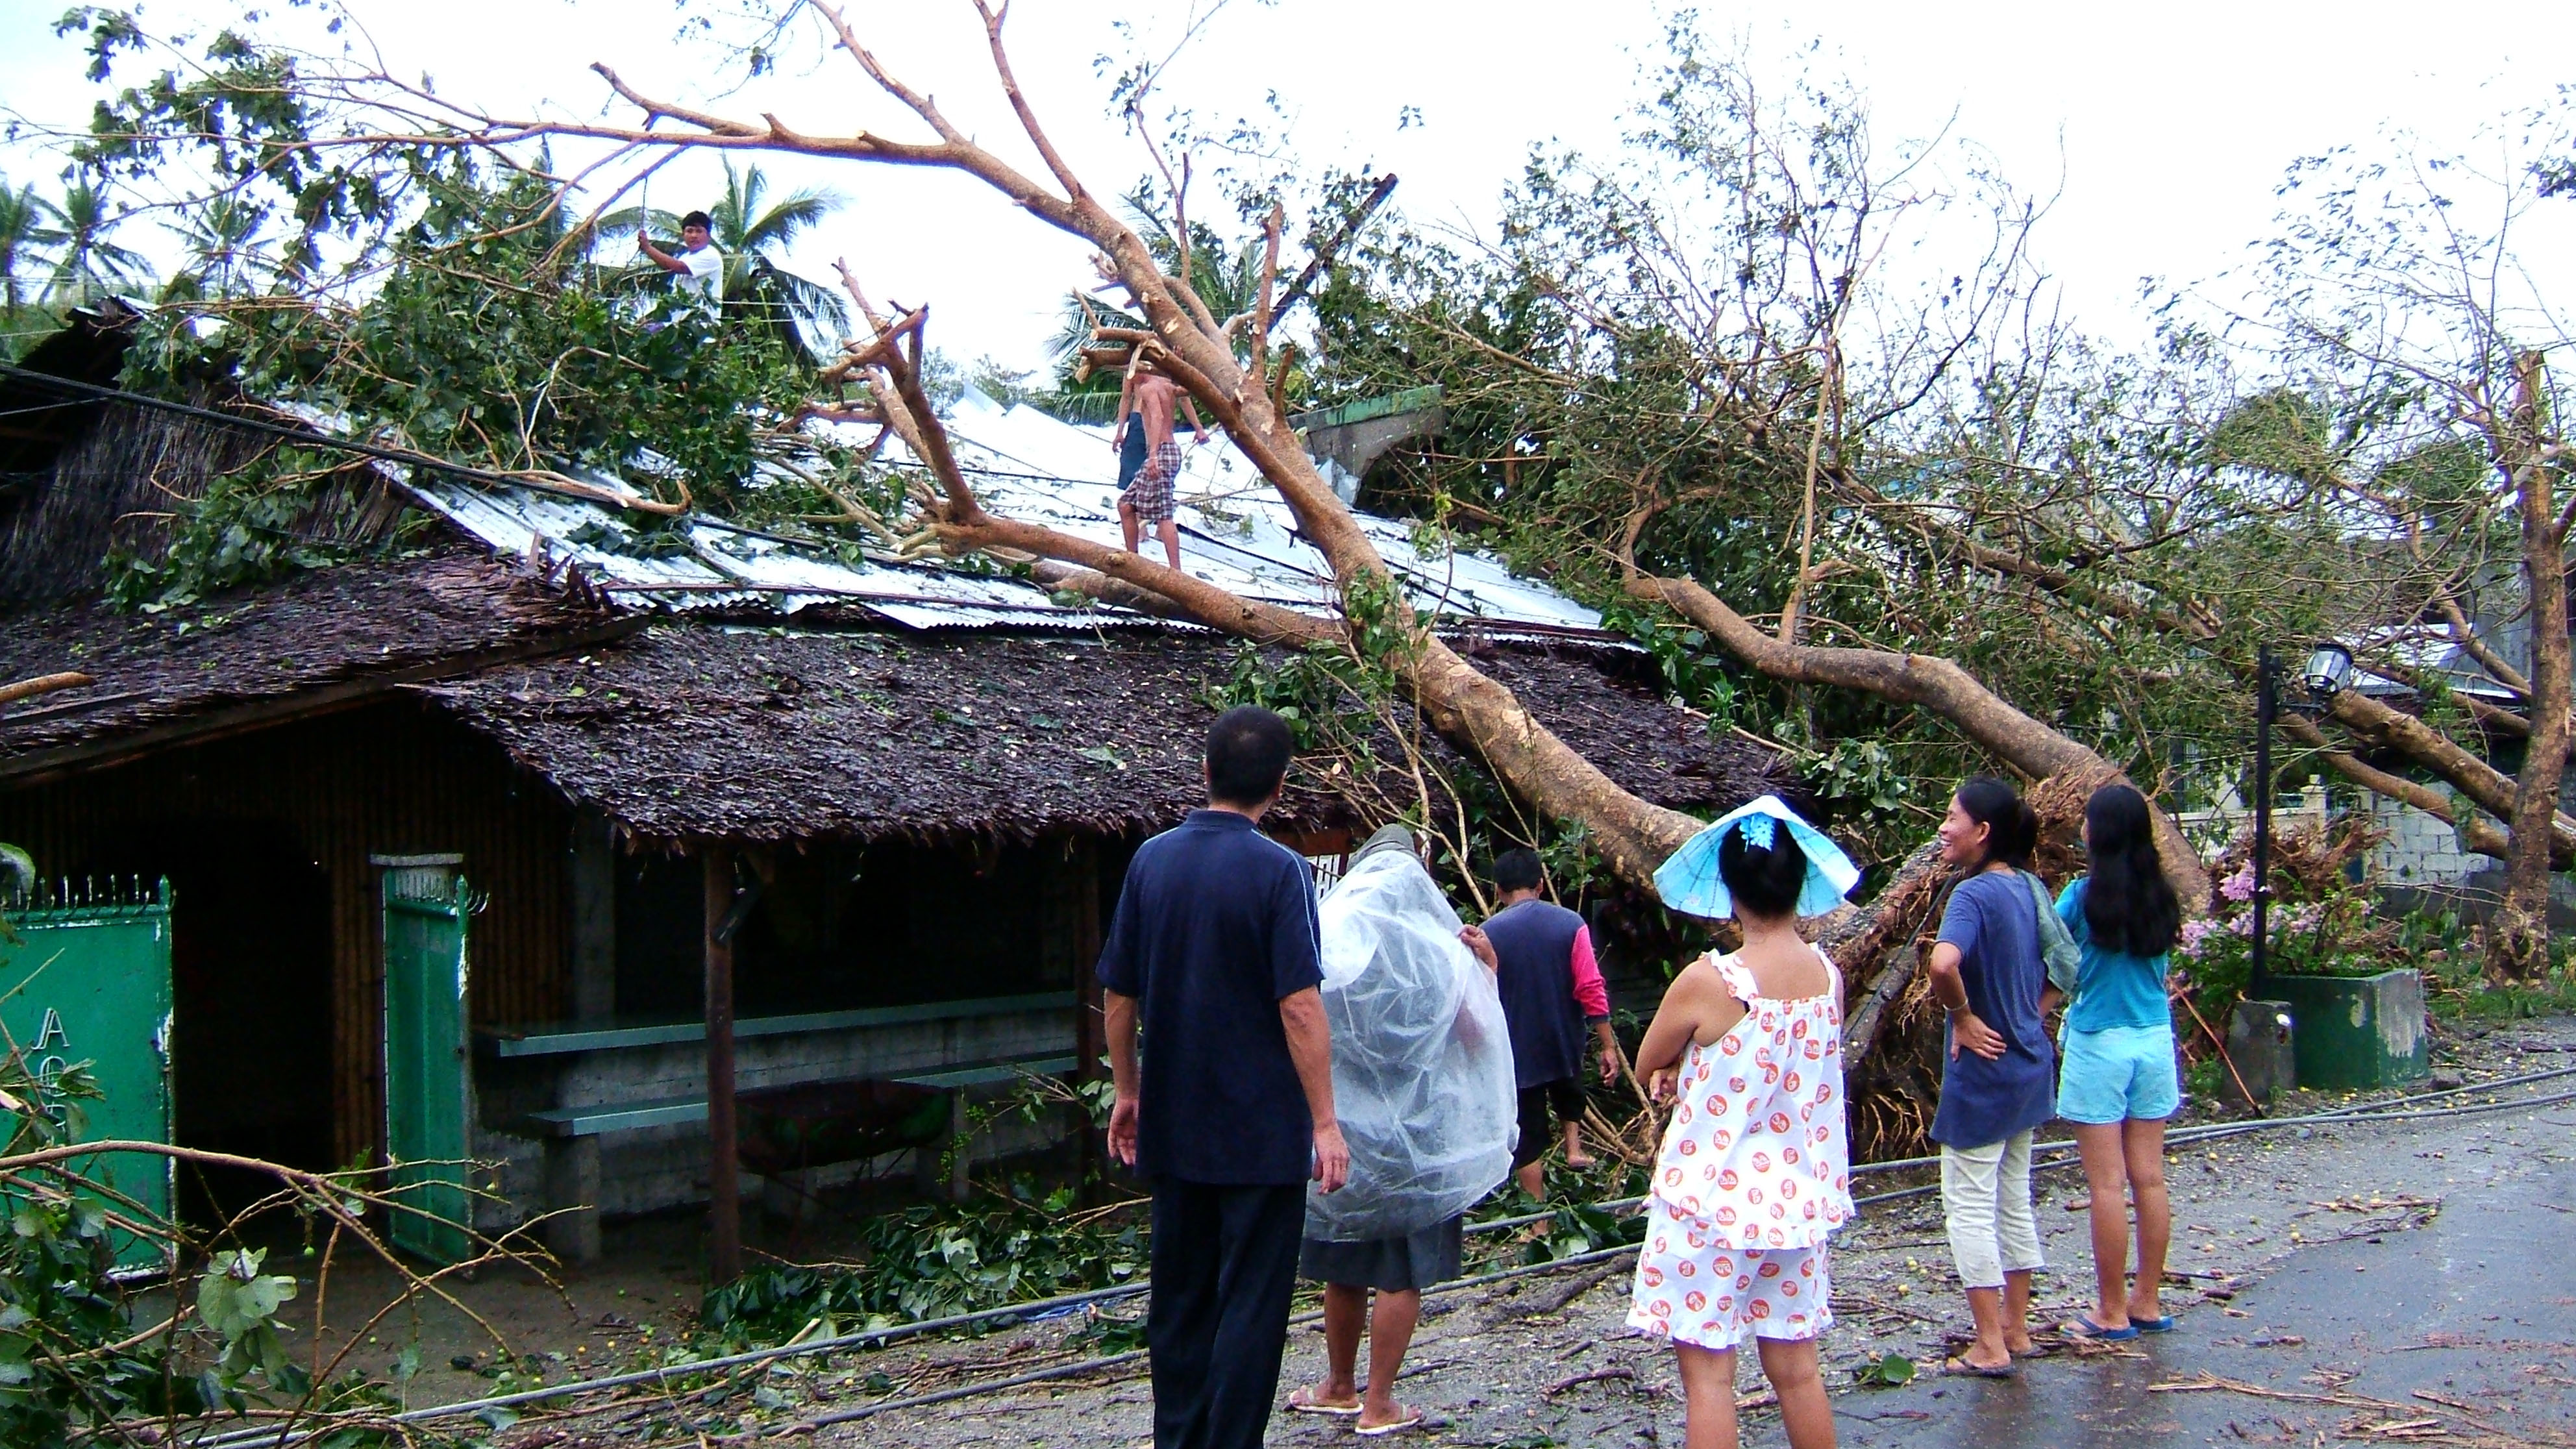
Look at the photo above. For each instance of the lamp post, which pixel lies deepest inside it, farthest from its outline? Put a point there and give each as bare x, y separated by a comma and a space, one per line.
2328, 670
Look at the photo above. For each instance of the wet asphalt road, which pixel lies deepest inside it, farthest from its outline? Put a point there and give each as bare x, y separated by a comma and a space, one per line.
2477, 1306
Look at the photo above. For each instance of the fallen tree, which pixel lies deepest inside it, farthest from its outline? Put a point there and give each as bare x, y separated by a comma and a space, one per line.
1931, 516
2013, 560
363, 111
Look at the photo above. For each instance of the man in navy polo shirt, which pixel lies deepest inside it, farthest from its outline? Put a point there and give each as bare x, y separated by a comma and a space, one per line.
1231, 1113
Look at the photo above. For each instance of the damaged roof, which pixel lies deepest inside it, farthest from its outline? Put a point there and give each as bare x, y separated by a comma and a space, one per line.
761, 687
699, 727
308, 643
1235, 532
771, 734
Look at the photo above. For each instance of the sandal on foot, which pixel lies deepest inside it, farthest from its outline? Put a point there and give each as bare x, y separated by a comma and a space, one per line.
2153, 1325
2082, 1327
1959, 1367
1303, 1401
1408, 1419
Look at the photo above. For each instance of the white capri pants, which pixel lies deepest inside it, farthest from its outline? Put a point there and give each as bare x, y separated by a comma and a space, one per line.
1985, 1195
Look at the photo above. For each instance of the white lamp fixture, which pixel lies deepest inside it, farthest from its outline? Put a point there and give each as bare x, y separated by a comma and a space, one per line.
2329, 670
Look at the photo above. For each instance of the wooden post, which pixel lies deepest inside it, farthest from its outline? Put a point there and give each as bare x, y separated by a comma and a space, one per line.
594, 918
1090, 1035
724, 1203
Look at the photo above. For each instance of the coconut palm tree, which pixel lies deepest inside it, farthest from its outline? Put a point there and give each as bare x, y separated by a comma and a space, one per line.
1229, 285
752, 230
222, 238
86, 263
22, 222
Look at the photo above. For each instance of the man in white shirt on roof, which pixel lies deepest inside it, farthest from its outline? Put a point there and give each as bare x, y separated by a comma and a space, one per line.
698, 266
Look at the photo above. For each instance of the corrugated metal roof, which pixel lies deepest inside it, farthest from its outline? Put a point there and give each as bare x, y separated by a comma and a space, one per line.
2427, 652
1235, 533
1361, 410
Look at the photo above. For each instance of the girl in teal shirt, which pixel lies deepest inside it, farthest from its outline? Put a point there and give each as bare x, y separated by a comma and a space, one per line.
2118, 1082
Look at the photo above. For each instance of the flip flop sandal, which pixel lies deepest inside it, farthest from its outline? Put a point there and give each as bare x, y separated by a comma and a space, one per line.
2153, 1325
1303, 1402
2085, 1328
1412, 1420
1957, 1367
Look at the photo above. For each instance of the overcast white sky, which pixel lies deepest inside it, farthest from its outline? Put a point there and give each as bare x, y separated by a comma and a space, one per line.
2166, 125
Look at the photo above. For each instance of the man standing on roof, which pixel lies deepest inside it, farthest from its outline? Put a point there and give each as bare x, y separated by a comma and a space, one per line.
1215, 946
698, 265
1551, 990
1129, 443
1148, 500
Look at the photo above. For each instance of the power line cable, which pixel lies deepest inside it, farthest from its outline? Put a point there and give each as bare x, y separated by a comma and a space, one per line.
2395, 1109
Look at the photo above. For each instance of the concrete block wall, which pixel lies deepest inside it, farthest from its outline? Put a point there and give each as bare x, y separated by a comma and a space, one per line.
2422, 850
514, 1168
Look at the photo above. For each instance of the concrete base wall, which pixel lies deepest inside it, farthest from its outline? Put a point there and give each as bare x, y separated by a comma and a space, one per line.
1356, 447
2422, 850
657, 1167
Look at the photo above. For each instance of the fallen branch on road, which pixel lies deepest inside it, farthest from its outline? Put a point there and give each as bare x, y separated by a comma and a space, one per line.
2397, 1421
1597, 1376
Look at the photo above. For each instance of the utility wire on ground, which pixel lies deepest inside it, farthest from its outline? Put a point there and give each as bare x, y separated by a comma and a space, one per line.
2395, 1109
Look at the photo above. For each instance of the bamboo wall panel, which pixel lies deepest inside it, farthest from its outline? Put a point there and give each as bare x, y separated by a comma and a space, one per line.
387, 780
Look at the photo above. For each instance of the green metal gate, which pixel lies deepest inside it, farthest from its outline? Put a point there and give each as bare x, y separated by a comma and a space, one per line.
428, 1072
88, 981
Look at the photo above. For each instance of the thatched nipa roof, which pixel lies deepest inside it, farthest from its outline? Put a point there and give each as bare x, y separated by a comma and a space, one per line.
311, 642
688, 730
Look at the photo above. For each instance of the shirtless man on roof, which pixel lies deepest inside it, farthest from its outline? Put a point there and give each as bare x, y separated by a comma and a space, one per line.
1148, 500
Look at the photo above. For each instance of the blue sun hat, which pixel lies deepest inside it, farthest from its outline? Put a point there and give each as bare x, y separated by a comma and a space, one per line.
1689, 882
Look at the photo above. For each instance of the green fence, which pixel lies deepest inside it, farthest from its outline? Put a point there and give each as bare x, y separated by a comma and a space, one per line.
87, 975
428, 1073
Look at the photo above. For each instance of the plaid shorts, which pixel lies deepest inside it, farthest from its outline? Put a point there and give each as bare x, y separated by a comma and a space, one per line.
1151, 493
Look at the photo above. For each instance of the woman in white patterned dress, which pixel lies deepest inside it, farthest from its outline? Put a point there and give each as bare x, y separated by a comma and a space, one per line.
1754, 1174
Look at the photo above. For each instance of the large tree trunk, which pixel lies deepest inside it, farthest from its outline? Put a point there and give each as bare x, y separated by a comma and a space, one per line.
1471, 710
2485, 786
1937, 684
2518, 937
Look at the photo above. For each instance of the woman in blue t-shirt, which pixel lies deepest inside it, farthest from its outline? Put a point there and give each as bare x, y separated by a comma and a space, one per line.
1988, 972
2119, 1083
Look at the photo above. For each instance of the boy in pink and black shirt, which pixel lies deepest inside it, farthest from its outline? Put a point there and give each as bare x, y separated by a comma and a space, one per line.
1552, 991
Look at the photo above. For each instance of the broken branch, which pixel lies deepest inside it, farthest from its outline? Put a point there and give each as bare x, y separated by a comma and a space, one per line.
41, 684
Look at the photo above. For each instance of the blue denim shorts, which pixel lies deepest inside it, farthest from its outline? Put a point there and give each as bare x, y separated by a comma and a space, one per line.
2118, 1073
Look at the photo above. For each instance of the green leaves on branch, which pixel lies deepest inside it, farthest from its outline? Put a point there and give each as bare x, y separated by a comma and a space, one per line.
484, 347
930, 1262
250, 526
239, 1303
433, 294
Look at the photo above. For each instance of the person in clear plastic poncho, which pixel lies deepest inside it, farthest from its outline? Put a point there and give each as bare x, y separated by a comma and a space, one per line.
1422, 1082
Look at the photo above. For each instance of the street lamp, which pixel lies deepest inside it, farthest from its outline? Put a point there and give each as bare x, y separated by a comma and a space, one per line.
2328, 673
2329, 670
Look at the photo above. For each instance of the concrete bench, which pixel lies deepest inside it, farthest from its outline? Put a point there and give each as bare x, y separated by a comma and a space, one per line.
571, 1037
611, 1117
988, 1073
679, 1111
560, 1072
571, 1125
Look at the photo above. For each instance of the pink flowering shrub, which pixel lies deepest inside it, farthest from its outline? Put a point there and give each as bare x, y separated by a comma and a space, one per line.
2322, 919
